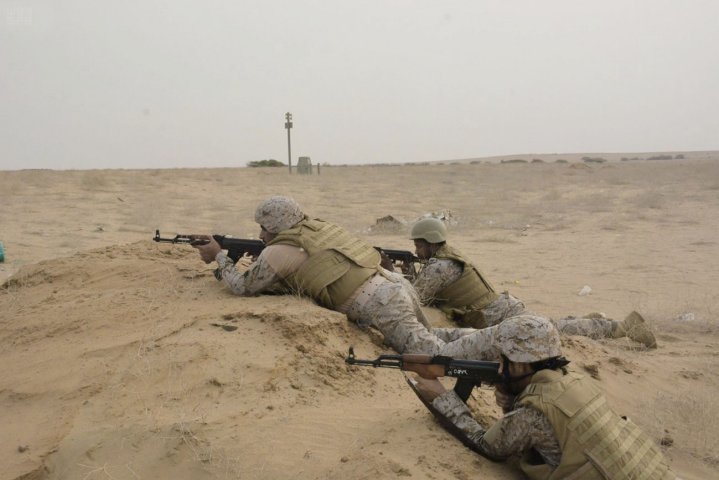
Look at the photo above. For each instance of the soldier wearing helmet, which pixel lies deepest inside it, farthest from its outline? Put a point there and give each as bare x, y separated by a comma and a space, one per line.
449, 280
339, 271
452, 283
557, 420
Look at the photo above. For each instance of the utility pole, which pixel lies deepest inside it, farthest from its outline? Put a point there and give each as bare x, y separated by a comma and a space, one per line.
288, 126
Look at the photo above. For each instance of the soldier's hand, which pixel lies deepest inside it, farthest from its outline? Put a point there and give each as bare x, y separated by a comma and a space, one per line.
207, 246
246, 260
407, 268
504, 400
429, 389
386, 262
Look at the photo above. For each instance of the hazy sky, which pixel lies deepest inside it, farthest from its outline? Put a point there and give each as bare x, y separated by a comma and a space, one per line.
203, 83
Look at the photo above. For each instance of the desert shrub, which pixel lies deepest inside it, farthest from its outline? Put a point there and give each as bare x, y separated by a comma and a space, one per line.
594, 159
660, 157
271, 162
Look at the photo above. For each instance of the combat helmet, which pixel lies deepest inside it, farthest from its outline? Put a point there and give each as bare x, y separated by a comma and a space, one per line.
429, 229
278, 213
528, 338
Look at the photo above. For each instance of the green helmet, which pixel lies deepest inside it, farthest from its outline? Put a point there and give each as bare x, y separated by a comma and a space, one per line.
528, 338
429, 229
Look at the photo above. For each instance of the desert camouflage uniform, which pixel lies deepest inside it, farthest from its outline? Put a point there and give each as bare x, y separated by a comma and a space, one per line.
439, 273
517, 431
386, 301
560, 422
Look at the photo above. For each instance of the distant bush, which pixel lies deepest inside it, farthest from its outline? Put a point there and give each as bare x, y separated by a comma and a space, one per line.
514, 160
660, 157
537, 160
271, 162
679, 156
594, 159
475, 162
561, 160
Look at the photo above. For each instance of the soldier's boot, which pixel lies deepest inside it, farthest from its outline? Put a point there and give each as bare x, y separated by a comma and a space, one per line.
635, 328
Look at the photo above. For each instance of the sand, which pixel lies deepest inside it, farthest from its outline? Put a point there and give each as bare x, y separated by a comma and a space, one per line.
123, 358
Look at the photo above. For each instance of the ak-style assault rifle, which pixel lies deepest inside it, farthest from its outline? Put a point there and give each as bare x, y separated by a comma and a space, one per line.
402, 258
238, 247
469, 373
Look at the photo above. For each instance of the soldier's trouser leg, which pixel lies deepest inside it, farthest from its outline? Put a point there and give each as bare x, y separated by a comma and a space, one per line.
416, 303
452, 334
391, 309
595, 328
503, 307
477, 345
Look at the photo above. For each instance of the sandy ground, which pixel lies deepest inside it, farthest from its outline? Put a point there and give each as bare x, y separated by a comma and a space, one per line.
122, 358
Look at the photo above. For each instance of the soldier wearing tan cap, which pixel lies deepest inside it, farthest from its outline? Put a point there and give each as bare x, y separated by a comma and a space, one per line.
321, 260
559, 421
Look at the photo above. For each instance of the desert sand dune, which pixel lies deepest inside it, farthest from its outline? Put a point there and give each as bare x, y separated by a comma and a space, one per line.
123, 358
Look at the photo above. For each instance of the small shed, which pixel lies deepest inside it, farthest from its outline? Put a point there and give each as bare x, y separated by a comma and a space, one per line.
304, 166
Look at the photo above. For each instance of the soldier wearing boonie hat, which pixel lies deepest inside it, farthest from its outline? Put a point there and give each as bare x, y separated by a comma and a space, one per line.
559, 421
321, 260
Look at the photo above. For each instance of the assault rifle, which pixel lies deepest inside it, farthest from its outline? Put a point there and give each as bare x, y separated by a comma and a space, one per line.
404, 258
238, 247
469, 373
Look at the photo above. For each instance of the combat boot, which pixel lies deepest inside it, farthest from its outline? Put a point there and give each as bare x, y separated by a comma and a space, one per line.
635, 328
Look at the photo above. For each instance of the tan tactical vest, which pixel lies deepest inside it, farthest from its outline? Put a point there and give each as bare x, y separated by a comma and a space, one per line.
338, 263
465, 298
596, 443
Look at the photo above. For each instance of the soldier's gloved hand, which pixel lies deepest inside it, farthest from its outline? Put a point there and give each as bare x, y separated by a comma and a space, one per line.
504, 400
207, 246
429, 388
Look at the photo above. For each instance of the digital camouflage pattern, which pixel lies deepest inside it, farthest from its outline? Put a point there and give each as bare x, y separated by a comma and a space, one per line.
439, 273
517, 431
393, 307
528, 338
434, 277
278, 213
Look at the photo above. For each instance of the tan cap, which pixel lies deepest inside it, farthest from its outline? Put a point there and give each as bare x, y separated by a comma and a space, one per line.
528, 338
278, 213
